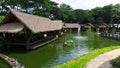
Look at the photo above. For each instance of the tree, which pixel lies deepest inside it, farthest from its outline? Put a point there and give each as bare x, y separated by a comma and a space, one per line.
64, 6
97, 14
83, 16
107, 13
116, 13
66, 13
54, 11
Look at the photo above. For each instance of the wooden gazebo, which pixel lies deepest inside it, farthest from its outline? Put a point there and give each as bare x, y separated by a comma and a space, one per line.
23, 29
88, 26
102, 27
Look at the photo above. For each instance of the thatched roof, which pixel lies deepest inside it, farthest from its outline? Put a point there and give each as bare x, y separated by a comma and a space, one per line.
72, 25
105, 24
11, 27
102, 25
34, 23
57, 25
89, 25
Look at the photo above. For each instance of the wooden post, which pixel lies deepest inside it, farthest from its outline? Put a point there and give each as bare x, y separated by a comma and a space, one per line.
28, 41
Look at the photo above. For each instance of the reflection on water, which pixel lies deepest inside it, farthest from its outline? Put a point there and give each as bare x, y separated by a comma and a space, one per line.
80, 38
56, 53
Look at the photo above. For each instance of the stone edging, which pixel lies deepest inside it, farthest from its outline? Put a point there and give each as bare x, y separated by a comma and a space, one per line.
13, 63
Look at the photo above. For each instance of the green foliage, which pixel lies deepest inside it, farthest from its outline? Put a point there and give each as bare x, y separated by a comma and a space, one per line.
90, 34
80, 62
83, 16
67, 13
1, 18
65, 7
97, 15
68, 42
116, 62
50, 9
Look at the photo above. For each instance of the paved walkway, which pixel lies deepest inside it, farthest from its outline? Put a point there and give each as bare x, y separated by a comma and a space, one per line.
102, 61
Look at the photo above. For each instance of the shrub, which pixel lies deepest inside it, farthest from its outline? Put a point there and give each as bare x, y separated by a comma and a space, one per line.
115, 62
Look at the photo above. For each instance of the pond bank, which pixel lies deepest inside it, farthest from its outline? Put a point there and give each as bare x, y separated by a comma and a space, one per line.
13, 63
80, 62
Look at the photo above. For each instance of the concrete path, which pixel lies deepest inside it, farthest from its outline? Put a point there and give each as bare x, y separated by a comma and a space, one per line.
102, 61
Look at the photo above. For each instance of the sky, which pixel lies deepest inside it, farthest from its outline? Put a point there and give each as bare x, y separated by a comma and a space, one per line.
87, 4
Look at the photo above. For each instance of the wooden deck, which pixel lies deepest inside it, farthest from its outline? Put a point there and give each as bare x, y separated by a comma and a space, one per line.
34, 44
40, 43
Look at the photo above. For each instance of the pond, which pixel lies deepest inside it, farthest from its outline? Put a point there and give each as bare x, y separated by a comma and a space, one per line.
3, 64
56, 52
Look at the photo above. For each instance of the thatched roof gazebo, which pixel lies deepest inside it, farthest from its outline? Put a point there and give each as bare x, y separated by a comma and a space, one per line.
88, 25
19, 28
72, 25
102, 27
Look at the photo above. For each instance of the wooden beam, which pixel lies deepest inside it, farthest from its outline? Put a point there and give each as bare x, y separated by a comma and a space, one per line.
12, 43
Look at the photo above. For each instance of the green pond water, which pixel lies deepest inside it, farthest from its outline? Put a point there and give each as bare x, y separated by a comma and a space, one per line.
56, 52
3, 64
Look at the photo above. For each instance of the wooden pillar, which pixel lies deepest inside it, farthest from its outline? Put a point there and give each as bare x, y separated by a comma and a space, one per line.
29, 37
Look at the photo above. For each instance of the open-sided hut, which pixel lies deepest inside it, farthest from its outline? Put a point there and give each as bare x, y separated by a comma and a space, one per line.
88, 26
102, 27
58, 25
72, 26
23, 29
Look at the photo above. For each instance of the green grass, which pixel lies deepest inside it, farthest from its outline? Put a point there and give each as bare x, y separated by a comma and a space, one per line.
80, 62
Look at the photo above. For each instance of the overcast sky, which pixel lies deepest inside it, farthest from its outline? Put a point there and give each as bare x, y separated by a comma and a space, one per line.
87, 4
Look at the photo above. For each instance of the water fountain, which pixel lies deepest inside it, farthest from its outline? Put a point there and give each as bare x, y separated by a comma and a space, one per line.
79, 37
79, 30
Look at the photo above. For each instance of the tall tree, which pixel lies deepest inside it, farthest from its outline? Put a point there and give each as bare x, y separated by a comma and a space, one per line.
97, 14
107, 13
67, 13
83, 16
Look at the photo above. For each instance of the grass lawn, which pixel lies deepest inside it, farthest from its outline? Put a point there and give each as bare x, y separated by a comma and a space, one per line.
80, 62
